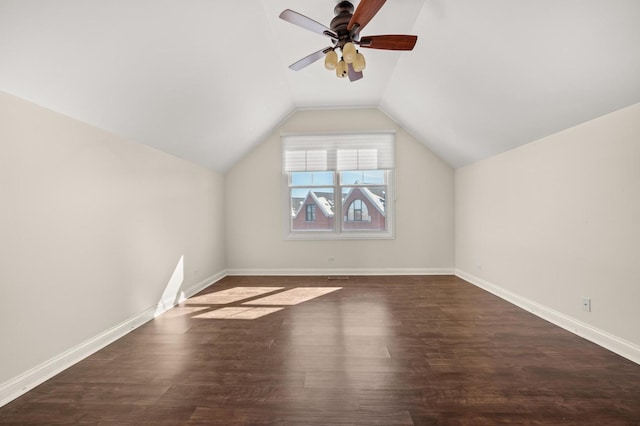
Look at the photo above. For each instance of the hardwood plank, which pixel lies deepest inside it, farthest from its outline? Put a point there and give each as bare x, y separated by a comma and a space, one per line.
381, 350
285, 416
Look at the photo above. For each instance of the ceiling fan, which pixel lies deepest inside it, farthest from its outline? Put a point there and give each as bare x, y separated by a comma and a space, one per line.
344, 32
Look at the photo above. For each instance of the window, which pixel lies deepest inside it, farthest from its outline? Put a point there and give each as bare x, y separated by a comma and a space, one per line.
338, 186
357, 212
311, 213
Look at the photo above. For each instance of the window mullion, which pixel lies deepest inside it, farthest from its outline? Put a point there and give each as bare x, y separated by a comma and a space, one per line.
337, 222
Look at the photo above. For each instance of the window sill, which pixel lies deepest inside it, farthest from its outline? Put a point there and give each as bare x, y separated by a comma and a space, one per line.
328, 235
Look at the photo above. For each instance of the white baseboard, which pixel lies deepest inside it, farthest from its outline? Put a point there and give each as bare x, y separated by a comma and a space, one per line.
613, 343
197, 288
165, 305
28, 380
341, 271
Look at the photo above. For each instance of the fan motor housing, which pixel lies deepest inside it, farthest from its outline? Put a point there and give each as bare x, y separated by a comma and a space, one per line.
343, 12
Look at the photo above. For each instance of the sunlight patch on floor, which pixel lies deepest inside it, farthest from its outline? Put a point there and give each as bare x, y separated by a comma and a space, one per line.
278, 300
231, 295
238, 313
293, 296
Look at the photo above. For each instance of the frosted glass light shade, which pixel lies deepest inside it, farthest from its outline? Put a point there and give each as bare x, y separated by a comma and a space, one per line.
342, 69
359, 63
349, 52
331, 60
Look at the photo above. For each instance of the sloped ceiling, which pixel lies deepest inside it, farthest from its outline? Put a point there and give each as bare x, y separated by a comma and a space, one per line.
208, 80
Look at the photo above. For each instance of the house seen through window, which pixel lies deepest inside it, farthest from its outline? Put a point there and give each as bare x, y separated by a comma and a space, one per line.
357, 211
339, 186
311, 212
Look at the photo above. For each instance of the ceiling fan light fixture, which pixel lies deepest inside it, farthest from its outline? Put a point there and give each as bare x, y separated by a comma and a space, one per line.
331, 60
359, 63
344, 32
349, 52
342, 69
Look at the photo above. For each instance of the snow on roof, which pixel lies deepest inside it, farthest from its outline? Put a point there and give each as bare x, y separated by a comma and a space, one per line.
322, 202
327, 205
375, 199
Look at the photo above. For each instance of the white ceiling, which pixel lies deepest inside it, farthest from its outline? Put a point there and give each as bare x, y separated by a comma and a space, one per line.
208, 80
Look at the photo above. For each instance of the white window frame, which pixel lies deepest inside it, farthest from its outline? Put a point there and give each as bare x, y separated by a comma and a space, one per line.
313, 160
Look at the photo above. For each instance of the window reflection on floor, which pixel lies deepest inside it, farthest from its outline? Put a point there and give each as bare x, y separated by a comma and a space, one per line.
276, 302
238, 313
293, 296
231, 295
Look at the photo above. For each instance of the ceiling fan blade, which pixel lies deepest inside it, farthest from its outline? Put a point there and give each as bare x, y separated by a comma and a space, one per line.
365, 11
353, 74
309, 59
307, 23
389, 42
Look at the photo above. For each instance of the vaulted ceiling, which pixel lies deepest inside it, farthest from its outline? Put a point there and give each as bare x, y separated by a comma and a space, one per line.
208, 80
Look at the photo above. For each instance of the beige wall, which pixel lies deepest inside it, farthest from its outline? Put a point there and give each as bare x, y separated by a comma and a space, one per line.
92, 228
559, 219
424, 208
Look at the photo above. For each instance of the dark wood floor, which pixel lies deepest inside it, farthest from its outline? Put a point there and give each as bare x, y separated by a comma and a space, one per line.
380, 351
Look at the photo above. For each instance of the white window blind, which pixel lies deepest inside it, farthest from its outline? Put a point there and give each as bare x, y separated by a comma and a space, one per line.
338, 152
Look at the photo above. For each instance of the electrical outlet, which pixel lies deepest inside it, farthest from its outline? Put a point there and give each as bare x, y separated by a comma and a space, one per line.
586, 304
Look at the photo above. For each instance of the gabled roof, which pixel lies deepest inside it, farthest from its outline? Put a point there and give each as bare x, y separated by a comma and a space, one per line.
325, 205
376, 200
